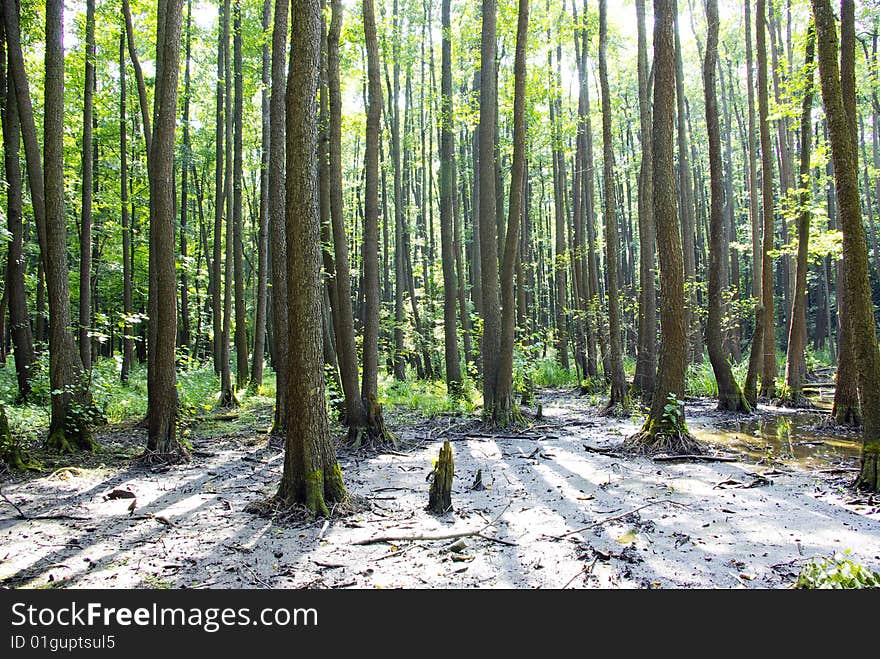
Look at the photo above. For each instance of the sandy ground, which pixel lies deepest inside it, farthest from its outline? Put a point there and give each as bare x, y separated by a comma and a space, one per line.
555, 513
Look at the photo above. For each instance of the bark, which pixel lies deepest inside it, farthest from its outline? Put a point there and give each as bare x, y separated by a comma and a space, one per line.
768, 370
241, 340
664, 429
687, 209
491, 301
183, 339
311, 476
795, 364
503, 411
355, 412
162, 393
646, 362
72, 408
227, 200
138, 74
447, 202
619, 398
127, 308
86, 186
217, 247
263, 233
19, 323
730, 398
838, 94
277, 206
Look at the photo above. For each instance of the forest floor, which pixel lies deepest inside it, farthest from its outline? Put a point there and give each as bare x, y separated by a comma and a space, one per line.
561, 508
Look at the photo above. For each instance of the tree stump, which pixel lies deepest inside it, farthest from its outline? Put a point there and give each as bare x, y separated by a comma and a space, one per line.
440, 494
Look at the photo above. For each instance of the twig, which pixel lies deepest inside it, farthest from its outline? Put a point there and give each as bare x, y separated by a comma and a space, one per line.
429, 537
25, 516
696, 458
586, 569
257, 579
613, 518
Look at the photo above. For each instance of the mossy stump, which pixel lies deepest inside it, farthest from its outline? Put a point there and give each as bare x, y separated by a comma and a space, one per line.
440, 494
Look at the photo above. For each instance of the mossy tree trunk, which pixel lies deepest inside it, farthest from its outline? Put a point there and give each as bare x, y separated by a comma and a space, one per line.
312, 476
440, 493
730, 398
838, 93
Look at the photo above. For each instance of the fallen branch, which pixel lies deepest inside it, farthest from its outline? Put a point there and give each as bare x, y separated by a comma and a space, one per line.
695, 458
613, 518
429, 537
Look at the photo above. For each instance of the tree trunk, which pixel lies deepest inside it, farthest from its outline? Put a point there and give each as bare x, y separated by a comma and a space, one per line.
646, 362
263, 233
311, 476
838, 93
86, 186
183, 339
447, 203
241, 340
72, 408
19, 323
664, 429
127, 309
619, 398
277, 206
730, 397
160, 165
768, 371
795, 364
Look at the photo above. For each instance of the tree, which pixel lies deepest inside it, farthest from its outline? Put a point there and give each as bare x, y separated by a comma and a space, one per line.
162, 392
795, 366
277, 210
241, 341
646, 361
127, 309
19, 323
311, 476
664, 429
768, 371
372, 300
619, 399
85, 236
355, 412
504, 412
730, 398
447, 200
72, 407
856, 287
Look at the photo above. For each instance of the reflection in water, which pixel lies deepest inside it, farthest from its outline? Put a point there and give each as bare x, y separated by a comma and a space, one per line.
793, 438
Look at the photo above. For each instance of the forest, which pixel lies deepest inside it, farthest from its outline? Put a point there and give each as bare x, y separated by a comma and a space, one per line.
400, 293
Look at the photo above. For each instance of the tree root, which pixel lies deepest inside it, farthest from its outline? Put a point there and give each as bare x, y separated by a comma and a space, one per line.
648, 443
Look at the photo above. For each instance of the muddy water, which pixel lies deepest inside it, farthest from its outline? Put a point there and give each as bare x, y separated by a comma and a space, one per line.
795, 439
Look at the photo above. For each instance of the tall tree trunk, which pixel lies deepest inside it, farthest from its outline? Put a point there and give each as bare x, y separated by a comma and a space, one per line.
646, 362
664, 429
619, 399
127, 308
838, 93
263, 233
447, 203
277, 206
504, 412
85, 236
355, 412
184, 333
768, 371
730, 397
687, 209
795, 364
160, 166
19, 323
241, 340
72, 406
227, 389
491, 301
311, 474
217, 247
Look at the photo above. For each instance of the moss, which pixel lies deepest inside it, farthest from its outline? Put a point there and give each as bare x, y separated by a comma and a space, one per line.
869, 476
314, 494
334, 485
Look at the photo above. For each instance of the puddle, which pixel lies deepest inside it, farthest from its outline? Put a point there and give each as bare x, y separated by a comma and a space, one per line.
793, 438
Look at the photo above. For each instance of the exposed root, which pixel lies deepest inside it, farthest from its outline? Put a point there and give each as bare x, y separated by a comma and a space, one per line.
649, 443
158, 459
278, 511
375, 436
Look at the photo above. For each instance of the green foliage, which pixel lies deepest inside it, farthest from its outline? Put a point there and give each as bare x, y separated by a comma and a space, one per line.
428, 397
673, 413
839, 572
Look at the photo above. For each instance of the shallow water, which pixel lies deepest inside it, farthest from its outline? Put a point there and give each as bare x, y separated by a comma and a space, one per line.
796, 439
